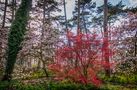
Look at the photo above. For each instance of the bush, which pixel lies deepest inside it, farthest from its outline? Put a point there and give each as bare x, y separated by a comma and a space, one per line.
75, 61
132, 79
34, 75
38, 74
3, 85
15, 85
122, 79
74, 86
31, 87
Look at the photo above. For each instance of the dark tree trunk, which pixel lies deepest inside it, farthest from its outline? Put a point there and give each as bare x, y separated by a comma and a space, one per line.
66, 24
84, 23
106, 52
4, 16
16, 36
42, 36
135, 44
13, 8
78, 18
0, 54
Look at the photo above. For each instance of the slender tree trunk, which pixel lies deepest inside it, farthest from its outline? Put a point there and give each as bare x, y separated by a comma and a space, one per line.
78, 27
42, 36
44, 68
84, 23
78, 18
1, 55
105, 16
135, 44
4, 16
106, 52
66, 23
39, 64
16, 36
13, 9
135, 51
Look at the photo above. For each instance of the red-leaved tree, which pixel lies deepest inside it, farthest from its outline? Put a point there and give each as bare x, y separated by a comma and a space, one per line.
80, 61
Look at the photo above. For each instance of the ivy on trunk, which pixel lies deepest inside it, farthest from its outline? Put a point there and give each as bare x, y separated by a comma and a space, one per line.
16, 35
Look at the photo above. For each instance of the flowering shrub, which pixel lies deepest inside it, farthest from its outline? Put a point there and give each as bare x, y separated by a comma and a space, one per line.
81, 60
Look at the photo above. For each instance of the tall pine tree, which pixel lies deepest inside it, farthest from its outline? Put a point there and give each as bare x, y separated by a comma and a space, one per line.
82, 13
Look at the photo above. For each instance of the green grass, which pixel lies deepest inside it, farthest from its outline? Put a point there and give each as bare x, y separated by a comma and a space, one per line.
111, 86
65, 85
122, 79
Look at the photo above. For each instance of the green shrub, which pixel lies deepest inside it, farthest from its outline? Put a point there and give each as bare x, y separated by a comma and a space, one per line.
132, 79
122, 79
38, 74
74, 86
65, 85
34, 75
31, 87
3, 85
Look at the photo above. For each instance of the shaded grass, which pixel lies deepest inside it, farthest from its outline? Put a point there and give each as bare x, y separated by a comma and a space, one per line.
17, 85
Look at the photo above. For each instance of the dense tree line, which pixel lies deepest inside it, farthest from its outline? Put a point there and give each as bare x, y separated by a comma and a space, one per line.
29, 31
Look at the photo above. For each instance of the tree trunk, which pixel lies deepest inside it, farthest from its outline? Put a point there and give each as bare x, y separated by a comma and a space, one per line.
42, 36
4, 16
106, 52
1, 55
135, 44
16, 36
45, 69
78, 18
66, 24
13, 8
84, 23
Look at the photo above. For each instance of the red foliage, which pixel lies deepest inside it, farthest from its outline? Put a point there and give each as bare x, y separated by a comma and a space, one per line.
82, 60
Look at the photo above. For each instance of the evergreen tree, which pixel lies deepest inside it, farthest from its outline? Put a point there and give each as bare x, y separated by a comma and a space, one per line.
16, 35
113, 12
87, 8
